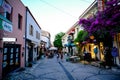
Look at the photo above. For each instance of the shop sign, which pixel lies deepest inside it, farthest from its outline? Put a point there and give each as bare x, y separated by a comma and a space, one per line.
9, 39
7, 26
7, 7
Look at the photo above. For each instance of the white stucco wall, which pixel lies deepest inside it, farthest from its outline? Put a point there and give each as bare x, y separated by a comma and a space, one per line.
32, 38
31, 21
46, 39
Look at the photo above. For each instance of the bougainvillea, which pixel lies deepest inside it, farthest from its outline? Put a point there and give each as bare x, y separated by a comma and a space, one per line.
105, 22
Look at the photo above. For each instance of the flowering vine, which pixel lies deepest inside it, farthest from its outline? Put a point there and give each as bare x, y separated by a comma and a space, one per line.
104, 23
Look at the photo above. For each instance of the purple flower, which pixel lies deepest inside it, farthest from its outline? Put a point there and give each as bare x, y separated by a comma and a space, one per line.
116, 16
105, 22
108, 22
111, 2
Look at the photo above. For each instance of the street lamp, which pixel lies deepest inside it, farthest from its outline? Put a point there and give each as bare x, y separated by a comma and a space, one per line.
77, 43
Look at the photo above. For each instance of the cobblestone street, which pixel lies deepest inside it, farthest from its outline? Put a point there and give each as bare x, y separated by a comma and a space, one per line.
51, 69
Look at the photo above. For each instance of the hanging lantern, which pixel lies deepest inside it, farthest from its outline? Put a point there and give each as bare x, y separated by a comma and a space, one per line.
92, 37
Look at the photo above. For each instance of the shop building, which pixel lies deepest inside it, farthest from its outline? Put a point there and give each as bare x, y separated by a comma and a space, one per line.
45, 42
12, 28
32, 39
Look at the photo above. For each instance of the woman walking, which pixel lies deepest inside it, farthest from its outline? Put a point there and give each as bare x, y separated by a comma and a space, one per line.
61, 56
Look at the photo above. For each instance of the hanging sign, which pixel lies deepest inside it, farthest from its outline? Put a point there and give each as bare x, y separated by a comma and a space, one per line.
7, 7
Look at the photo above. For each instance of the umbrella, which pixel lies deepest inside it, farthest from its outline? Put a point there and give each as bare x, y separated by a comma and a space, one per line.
52, 48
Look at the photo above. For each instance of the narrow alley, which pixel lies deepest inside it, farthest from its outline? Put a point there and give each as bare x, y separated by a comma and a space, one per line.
51, 69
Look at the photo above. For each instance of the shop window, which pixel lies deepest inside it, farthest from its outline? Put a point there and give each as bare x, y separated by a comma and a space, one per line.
31, 30
6, 9
1, 11
19, 21
8, 16
37, 35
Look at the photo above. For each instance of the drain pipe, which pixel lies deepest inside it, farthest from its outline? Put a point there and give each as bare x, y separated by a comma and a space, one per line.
25, 34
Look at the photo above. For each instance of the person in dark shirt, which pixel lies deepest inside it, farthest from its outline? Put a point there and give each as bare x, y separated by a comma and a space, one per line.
108, 57
114, 53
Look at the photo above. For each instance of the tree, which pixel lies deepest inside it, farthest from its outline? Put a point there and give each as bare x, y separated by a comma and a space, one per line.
105, 24
81, 36
58, 40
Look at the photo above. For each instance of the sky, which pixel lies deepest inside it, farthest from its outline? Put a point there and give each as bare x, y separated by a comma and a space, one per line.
57, 16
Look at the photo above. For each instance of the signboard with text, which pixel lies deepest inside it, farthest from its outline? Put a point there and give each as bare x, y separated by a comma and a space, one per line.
7, 7
6, 26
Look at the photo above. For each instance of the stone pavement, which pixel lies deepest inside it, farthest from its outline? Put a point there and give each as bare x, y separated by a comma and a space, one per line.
88, 72
45, 69
51, 69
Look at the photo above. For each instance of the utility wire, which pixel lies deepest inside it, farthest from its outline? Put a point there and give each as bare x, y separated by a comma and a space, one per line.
88, 1
58, 8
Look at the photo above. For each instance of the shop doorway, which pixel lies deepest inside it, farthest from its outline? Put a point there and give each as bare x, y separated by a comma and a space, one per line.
11, 57
30, 54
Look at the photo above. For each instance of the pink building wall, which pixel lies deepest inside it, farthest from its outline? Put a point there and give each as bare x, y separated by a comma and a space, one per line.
0, 66
17, 8
1, 58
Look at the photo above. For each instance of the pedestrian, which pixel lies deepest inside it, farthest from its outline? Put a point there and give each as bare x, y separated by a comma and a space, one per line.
114, 53
95, 52
108, 57
47, 52
61, 56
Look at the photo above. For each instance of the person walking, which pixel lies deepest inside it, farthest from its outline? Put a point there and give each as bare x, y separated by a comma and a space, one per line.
114, 53
61, 56
108, 57
96, 51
